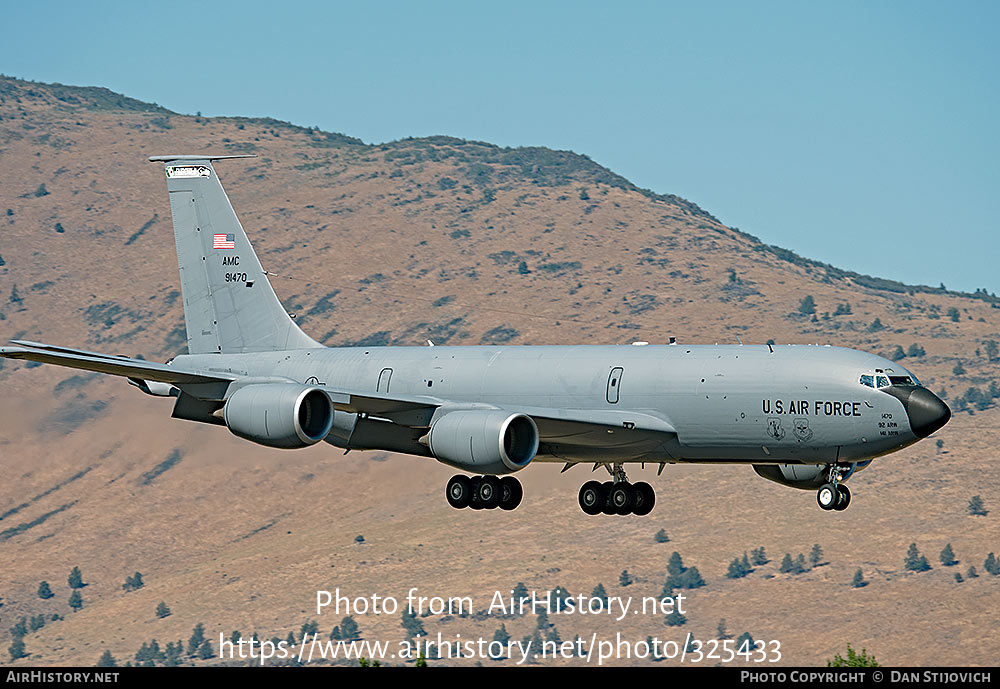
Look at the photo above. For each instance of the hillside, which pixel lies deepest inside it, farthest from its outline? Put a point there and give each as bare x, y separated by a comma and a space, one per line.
462, 243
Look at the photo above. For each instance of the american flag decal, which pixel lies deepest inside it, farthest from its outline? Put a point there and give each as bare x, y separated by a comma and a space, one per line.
224, 241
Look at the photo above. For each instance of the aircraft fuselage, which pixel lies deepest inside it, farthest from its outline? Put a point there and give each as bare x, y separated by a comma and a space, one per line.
727, 403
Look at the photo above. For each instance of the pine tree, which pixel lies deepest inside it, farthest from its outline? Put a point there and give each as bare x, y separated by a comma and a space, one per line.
816, 556
412, 625
958, 578
674, 619
808, 305
44, 592
543, 621
133, 583
915, 562
859, 579
75, 600
197, 638
520, 591
349, 630
16, 648
759, 557
661, 536
948, 556
735, 570
600, 593
624, 579
691, 579
501, 634
853, 659
173, 654
800, 564
76, 579
21, 628
205, 650
745, 644
309, 628
972, 573
107, 660
560, 595
976, 507
675, 565
162, 610
992, 565
787, 566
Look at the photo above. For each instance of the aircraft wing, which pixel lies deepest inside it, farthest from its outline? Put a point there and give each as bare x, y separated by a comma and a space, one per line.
598, 434
108, 363
562, 432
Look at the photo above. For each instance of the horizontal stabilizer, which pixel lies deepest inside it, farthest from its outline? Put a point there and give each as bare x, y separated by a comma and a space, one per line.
189, 156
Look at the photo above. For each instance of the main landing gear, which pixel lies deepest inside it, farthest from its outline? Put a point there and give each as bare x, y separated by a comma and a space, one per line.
484, 492
834, 495
617, 496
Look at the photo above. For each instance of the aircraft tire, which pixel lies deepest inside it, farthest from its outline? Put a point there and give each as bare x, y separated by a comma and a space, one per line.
459, 491
645, 499
474, 501
511, 493
606, 506
843, 497
622, 498
592, 497
489, 492
827, 496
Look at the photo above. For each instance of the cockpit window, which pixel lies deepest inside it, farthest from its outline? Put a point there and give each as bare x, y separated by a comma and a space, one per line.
868, 380
901, 380
882, 381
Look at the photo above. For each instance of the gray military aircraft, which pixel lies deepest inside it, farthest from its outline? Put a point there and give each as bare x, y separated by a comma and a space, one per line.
804, 416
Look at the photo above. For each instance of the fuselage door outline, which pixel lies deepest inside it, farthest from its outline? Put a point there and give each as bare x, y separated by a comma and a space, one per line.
614, 385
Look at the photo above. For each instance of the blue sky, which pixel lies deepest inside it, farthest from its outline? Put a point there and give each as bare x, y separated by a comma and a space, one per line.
862, 134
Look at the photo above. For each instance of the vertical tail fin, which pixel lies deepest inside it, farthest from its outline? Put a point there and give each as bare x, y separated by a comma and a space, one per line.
229, 305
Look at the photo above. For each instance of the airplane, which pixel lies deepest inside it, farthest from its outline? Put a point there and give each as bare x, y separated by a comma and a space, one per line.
804, 416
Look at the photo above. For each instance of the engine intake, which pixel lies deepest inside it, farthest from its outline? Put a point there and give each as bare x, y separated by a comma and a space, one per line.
484, 441
283, 415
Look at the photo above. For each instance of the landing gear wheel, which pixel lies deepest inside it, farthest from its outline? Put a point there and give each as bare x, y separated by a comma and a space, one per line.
510, 493
645, 498
828, 496
622, 498
606, 506
592, 497
489, 492
459, 491
475, 503
843, 497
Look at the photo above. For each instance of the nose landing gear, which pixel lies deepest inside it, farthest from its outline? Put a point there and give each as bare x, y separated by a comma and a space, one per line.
835, 495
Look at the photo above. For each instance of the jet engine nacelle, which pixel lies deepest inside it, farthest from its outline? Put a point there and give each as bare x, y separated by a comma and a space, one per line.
804, 476
484, 441
283, 415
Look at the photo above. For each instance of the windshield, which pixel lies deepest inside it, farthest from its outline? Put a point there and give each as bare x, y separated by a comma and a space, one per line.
883, 378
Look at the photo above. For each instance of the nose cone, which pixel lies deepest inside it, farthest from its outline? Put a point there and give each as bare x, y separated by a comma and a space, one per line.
926, 412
